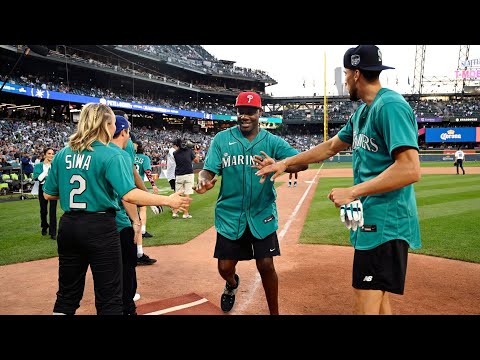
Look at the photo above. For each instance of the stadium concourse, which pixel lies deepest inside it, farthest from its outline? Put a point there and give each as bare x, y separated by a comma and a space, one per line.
314, 279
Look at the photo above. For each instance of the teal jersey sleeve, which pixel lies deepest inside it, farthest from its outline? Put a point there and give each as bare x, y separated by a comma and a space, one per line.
213, 159
346, 132
130, 149
37, 170
398, 125
88, 180
122, 219
51, 183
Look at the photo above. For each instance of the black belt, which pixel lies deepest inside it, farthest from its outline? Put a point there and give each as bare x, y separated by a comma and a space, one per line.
82, 213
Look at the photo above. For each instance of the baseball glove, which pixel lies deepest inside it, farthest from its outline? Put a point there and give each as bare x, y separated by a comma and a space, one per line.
156, 209
351, 214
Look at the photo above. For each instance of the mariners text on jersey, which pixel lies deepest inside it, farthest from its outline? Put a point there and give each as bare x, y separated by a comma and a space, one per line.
365, 142
78, 161
234, 160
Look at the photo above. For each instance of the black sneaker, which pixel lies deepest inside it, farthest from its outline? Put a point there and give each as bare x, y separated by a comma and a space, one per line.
145, 260
44, 232
147, 234
228, 296
53, 237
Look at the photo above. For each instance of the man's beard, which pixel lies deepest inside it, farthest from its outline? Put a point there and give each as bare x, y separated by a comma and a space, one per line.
354, 95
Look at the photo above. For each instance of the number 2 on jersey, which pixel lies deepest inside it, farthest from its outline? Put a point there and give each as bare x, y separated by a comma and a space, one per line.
77, 191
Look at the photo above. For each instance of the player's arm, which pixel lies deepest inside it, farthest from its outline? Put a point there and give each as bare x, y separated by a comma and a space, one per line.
196, 150
404, 171
144, 198
148, 173
50, 197
131, 210
138, 180
314, 155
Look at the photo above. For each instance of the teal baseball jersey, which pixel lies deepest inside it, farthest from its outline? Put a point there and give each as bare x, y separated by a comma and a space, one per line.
130, 149
375, 132
37, 170
142, 162
87, 181
242, 199
122, 218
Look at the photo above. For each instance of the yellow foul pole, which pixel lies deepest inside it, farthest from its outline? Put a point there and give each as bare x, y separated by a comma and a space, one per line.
325, 112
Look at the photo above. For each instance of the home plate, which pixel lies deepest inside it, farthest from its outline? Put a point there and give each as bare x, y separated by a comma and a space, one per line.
189, 304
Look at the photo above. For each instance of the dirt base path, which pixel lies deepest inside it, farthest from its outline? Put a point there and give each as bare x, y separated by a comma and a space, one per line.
314, 279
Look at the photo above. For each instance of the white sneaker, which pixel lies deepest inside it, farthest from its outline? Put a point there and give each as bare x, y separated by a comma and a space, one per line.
187, 216
174, 216
136, 297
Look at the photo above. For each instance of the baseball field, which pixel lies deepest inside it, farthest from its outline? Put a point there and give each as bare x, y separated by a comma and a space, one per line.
314, 269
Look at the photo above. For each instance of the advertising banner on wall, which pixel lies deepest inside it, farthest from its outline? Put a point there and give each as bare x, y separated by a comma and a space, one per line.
451, 135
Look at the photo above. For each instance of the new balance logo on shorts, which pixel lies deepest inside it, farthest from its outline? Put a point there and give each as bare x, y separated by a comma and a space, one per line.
368, 278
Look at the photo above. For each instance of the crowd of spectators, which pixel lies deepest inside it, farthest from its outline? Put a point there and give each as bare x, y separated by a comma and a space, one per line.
50, 82
196, 57
21, 138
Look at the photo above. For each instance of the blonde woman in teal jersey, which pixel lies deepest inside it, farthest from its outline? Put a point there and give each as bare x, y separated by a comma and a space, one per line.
383, 135
86, 176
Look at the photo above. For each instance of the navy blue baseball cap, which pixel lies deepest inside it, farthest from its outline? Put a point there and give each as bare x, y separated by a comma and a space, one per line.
121, 124
364, 57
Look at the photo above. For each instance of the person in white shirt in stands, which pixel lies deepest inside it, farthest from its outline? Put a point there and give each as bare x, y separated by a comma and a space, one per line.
459, 158
171, 166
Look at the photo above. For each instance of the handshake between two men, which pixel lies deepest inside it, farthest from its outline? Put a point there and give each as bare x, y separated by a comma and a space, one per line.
351, 209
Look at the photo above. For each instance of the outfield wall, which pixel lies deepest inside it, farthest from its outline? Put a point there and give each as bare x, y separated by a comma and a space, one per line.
424, 156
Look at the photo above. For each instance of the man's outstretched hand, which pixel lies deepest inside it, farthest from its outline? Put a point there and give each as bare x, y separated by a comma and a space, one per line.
204, 185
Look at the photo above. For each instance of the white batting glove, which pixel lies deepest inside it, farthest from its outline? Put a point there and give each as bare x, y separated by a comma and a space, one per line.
156, 209
352, 214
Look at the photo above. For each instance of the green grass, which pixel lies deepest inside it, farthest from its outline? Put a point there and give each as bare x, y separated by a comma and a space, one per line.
348, 165
448, 212
448, 207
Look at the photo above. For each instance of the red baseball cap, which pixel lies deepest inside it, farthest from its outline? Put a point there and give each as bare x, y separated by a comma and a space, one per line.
248, 98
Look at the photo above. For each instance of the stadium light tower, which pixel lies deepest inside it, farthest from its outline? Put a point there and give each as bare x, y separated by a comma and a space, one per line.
418, 72
463, 54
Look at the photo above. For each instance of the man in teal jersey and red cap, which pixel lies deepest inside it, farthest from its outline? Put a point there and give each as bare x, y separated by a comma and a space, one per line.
246, 216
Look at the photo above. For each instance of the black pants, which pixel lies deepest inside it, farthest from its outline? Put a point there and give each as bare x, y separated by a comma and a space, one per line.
460, 164
43, 212
89, 239
129, 263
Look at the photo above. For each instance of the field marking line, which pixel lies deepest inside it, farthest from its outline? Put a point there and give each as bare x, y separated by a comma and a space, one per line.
178, 307
257, 281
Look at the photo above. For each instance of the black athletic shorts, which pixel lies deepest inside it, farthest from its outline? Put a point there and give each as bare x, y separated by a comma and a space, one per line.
381, 268
247, 247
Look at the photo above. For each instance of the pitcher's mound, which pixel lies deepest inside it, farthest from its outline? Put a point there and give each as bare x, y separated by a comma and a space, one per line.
189, 304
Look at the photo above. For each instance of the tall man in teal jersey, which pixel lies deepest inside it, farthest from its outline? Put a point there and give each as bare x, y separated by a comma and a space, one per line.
246, 217
88, 176
383, 135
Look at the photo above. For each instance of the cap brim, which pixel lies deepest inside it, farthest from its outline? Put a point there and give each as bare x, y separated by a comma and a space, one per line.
256, 107
376, 68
